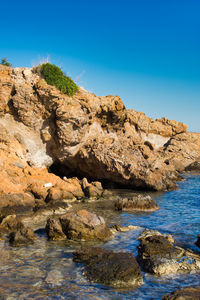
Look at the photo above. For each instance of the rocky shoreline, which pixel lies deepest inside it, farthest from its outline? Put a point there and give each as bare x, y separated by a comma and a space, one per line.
158, 253
57, 151
48, 140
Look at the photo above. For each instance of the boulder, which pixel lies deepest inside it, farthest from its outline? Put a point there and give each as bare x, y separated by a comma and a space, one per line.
110, 268
81, 225
58, 194
22, 237
188, 293
54, 229
11, 223
158, 255
136, 203
92, 190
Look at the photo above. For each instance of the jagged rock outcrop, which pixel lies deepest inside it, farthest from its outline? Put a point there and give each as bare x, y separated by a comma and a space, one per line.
136, 203
158, 255
93, 137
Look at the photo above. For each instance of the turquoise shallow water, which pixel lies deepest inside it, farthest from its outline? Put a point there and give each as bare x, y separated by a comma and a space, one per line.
46, 270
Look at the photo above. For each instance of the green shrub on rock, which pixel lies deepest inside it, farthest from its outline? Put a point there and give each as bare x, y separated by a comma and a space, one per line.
5, 62
55, 76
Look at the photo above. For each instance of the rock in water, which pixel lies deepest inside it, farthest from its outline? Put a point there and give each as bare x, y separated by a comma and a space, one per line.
54, 278
92, 190
194, 166
158, 255
22, 237
138, 203
198, 241
54, 229
110, 268
82, 225
188, 293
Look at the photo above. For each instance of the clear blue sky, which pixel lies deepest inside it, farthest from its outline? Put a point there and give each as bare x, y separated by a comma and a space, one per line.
146, 51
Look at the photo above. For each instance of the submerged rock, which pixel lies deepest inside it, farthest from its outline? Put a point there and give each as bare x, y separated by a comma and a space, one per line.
188, 293
110, 268
136, 203
54, 278
19, 235
158, 255
81, 225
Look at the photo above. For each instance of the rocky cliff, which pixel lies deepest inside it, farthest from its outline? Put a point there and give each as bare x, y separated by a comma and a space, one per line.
85, 136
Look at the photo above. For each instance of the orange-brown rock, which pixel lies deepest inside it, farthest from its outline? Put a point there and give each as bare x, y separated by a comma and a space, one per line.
93, 137
5, 88
81, 225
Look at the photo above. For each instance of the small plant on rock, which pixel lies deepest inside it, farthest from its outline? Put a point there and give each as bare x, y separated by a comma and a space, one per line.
5, 62
55, 76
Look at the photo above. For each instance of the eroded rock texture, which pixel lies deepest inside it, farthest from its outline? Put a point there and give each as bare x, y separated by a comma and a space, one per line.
89, 136
188, 293
158, 255
79, 226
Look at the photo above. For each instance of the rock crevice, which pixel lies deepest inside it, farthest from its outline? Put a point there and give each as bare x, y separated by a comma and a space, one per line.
95, 137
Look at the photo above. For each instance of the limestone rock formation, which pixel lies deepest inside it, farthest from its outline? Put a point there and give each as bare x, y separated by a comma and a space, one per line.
84, 135
110, 268
188, 293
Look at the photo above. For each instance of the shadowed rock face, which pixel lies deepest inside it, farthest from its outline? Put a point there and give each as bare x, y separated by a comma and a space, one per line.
137, 203
198, 241
95, 137
110, 268
158, 255
188, 293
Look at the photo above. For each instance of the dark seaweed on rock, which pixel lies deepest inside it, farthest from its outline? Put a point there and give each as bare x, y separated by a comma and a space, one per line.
110, 268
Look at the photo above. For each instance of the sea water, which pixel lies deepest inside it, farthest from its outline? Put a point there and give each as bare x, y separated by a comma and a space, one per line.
45, 270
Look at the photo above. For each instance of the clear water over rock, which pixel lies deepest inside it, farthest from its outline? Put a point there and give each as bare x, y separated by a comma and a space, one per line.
46, 269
